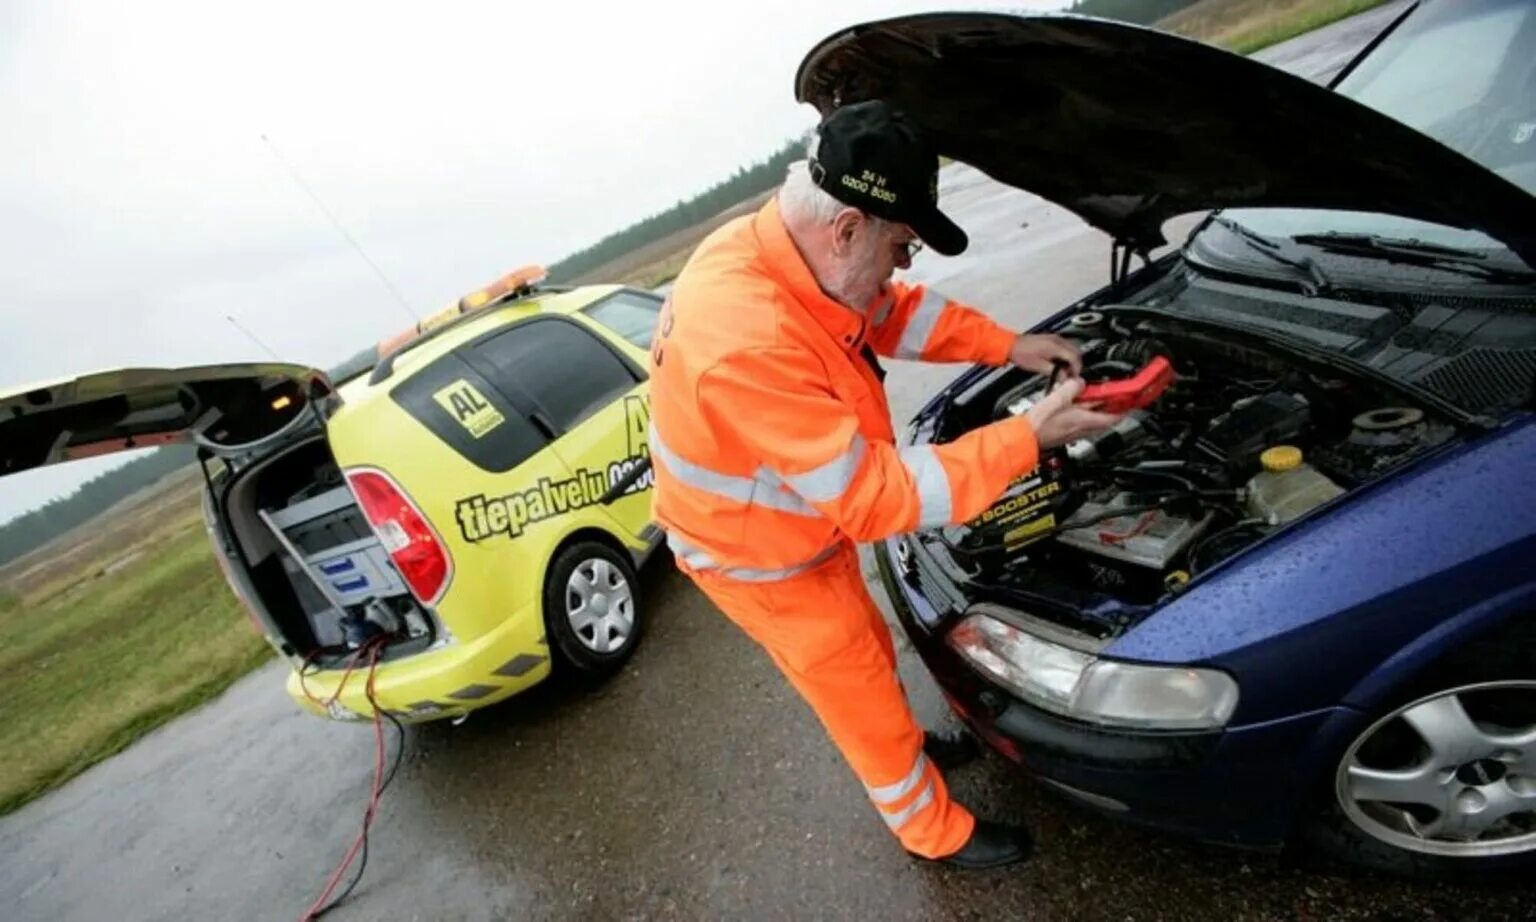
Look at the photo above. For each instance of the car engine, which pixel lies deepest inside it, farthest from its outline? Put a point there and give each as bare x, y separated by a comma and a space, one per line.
1244, 441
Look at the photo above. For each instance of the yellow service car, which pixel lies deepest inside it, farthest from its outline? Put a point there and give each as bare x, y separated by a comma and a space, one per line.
472, 509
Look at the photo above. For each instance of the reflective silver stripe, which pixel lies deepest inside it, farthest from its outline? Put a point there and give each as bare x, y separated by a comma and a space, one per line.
762, 489
891, 793
920, 325
728, 485
692, 556
770, 493
750, 575
933, 496
699, 559
901, 817
830, 480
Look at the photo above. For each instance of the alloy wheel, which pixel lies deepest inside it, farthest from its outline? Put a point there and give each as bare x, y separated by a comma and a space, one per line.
1451, 774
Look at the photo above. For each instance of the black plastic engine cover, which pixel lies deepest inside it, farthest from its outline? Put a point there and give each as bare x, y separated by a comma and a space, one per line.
1241, 434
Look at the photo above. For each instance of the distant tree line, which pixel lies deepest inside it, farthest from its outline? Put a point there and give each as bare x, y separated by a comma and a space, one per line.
747, 182
40, 526
1142, 12
354, 366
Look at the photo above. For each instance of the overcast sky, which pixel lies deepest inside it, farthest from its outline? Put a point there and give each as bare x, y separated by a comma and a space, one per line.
455, 141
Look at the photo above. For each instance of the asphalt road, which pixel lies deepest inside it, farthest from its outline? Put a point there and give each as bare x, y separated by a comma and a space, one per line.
693, 785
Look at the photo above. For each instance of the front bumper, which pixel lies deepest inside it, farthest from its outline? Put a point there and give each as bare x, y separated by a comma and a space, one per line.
450, 681
1238, 786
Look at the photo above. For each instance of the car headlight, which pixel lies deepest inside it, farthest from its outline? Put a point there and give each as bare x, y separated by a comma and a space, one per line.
1080, 685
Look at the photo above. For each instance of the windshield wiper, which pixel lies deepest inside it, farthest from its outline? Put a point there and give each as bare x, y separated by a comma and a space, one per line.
1317, 281
1417, 252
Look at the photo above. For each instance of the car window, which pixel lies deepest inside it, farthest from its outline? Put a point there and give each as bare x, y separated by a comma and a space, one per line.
462, 408
1464, 74
566, 371
630, 314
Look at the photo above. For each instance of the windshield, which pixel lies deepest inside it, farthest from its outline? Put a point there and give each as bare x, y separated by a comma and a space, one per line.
1462, 72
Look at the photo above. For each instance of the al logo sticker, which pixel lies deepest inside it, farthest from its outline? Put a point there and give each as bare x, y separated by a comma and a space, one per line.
469, 407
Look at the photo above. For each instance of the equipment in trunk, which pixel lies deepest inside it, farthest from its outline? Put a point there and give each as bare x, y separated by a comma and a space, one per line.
320, 568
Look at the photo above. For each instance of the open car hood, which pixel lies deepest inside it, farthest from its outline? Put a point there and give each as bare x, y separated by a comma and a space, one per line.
227, 408
1129, 127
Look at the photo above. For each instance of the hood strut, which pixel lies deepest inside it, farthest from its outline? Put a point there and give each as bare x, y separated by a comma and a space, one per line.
1120, 259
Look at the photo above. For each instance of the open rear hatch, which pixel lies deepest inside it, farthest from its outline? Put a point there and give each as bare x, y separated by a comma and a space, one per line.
231, 410
287, 529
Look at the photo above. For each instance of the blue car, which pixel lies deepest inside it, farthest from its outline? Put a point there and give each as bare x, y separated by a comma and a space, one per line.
1290, 599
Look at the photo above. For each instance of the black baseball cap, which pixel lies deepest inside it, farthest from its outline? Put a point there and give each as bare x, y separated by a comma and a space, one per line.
872, 158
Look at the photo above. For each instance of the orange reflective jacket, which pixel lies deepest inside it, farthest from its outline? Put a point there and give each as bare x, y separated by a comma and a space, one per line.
771, 433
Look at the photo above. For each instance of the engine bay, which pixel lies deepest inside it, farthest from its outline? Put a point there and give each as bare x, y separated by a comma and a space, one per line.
1244, 441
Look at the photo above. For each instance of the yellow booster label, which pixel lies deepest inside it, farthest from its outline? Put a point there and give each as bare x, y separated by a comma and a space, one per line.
1020, 517
1021, 503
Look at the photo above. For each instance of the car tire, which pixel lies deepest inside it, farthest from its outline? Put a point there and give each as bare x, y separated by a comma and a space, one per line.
1477, 768
591, 609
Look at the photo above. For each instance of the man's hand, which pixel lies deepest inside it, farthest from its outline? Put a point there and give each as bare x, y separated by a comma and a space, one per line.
1057, 420
1036, 351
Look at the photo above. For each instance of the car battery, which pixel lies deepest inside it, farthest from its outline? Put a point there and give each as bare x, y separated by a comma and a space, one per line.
1150, 539
1130, 554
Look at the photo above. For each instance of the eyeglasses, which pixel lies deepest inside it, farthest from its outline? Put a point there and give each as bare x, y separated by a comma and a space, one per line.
913, 247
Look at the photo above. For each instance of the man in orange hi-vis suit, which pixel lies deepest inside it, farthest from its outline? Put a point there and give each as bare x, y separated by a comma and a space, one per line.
774, 451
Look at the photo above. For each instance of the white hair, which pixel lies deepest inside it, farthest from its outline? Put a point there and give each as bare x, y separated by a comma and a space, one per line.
801, 201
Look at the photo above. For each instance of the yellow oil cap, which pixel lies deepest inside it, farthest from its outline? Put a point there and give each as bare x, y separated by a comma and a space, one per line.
1281, 458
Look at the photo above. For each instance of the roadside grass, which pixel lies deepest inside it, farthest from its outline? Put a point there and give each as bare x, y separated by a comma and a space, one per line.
1246, 26
94, 667
660, 272
119, 533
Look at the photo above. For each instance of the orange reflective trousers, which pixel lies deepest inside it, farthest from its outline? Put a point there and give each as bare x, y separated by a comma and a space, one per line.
825, 634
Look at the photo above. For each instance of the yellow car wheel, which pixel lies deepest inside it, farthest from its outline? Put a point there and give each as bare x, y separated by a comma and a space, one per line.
592, 608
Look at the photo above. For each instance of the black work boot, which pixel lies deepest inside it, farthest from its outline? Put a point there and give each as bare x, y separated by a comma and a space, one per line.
991, 845
950, 750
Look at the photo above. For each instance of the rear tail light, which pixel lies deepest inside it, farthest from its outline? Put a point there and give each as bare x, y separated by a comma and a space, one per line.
419, 554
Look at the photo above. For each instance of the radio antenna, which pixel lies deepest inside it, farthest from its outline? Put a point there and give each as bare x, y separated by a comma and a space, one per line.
299, 180
252, 337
